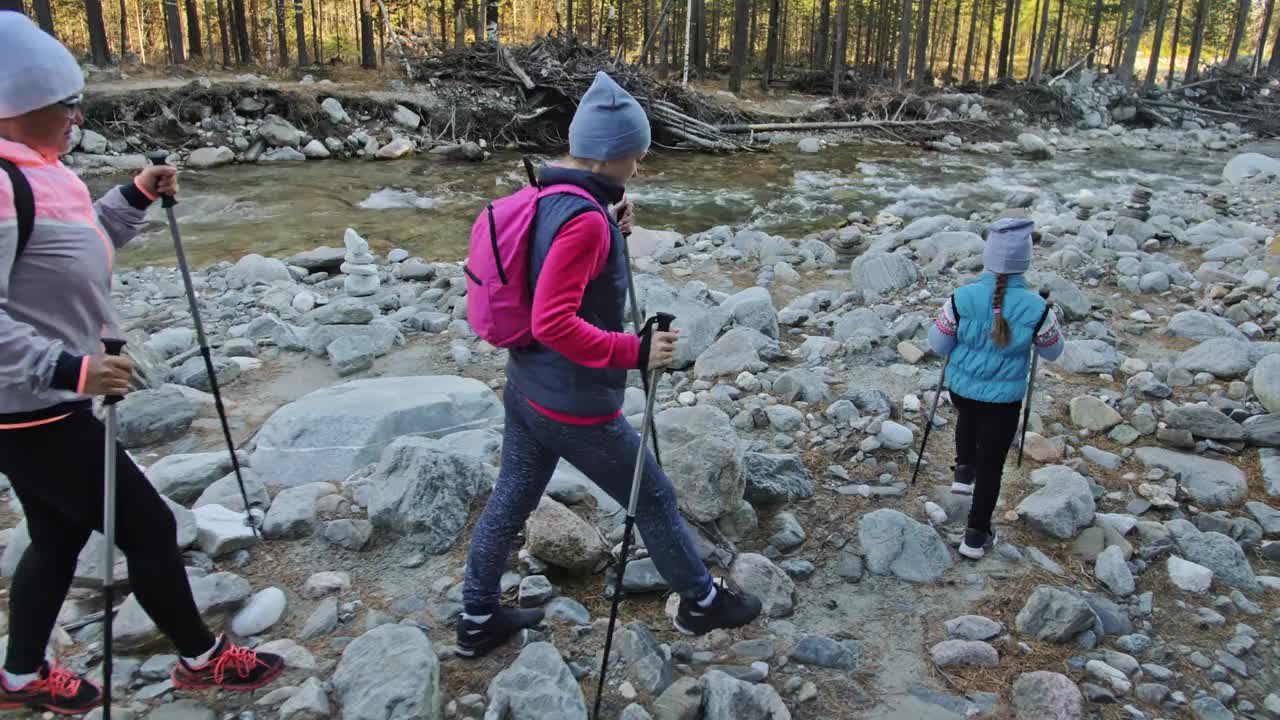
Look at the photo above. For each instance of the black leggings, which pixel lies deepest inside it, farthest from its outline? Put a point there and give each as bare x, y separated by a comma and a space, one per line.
57, 472
984, 434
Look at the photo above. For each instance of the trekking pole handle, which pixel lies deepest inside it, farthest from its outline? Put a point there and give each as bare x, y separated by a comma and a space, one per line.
664, 321
161, 157
113, 347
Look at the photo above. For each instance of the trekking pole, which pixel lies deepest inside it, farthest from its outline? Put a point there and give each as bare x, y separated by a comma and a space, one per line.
110, 455
663, 321
168, 201
1031, 381
636, 321
928, 426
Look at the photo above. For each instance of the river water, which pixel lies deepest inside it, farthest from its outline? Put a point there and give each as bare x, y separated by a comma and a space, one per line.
426, 205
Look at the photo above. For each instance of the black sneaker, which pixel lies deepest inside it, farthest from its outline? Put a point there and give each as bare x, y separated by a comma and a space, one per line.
479, 639
728, 610
55, 689
963, 484
975, 543
231, 668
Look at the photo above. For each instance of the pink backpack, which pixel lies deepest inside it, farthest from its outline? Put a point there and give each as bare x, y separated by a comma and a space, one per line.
499, 299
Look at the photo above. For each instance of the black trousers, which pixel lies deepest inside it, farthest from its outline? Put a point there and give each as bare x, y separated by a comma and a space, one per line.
57, 472
984, 434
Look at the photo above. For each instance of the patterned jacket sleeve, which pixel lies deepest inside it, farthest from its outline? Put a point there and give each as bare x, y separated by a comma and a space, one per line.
1049, 341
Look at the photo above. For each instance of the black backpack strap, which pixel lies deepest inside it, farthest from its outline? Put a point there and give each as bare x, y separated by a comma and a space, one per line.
24, 201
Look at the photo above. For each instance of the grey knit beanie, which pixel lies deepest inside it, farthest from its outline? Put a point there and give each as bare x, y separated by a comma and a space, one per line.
609, 124
1008, 248
38, 70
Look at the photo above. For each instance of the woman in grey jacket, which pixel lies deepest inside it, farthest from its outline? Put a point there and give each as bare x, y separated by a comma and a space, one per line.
55, 307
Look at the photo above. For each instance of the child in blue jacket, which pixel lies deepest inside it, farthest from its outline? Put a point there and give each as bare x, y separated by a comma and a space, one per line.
988, 329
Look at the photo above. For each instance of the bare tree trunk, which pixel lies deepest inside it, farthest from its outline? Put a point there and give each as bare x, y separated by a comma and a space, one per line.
1197, 42
175, 31
124, 26
1096, 34
741, 21
1274, 64
1117, 50
824, 33
1242, 22
1153, 67
955, 41
222, 34
1262, 36
368, 54
1173, 46
44, 15
771, 47
99, 52
841, 45
241, 31
1002, 68
969, 48
491, 20
645, 51
1135, 37
477, 18
1013, 40
991, 42
256, 16
922, 44
1037, 65
459, 23
904, 45
1054, 61
935, 33
664, 57
208, 26
317, 29
300, 30
282, 33
193, 29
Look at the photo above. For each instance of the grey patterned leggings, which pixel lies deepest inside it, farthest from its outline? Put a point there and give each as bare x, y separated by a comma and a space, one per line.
532, 445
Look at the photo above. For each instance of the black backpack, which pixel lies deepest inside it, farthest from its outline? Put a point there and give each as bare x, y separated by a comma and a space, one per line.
24, 202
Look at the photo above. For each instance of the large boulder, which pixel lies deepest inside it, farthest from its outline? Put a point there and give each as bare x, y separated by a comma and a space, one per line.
1212, 484
699, 318
1224, 357
883, 272
424, 492
776, 478
724, 697
1266, 383
1205, 421
730, 355
1067, 295
294, 511
367, 691
649, 666
277, 132
899, 546
215, 593
329, 434
1215, 551
757, 575
1090, 413
210, 157
752, 308
1054, 614
1089, 357
1044, 695
1063, 507
1247, 167
860, 322
147, 417
704, 459
556, 535
537, 686
1201, 326
254, 269
183, 477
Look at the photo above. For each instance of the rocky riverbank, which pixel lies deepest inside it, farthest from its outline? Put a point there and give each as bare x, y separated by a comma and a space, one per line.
1137, 575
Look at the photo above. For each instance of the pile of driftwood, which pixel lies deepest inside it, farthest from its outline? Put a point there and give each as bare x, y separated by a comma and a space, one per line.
1226, 93
547, 78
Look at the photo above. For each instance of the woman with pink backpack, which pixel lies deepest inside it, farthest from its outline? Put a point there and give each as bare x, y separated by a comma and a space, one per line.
565, 388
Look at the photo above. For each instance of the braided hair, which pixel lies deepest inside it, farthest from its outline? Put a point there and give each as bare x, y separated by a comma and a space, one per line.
1000, 333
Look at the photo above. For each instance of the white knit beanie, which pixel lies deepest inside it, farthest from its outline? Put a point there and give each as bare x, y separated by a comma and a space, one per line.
38, 70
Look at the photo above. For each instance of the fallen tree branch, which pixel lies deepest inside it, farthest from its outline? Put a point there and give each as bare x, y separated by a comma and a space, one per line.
1191, 108
515, 68
840, 125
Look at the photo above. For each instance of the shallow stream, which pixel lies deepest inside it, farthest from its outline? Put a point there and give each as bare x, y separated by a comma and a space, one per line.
426, 205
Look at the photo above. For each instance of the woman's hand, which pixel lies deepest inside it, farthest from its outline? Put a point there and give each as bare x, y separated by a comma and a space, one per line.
159, 179
662, 348
108, 375
626, 217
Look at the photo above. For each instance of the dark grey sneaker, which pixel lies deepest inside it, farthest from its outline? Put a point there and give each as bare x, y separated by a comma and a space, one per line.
728, 610
479, 639
963, 483
976, 543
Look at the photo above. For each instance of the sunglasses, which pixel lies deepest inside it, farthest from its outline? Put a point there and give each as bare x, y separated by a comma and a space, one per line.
72, 103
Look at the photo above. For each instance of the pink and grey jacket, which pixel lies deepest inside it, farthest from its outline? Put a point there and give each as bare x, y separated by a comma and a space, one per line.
55, 302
